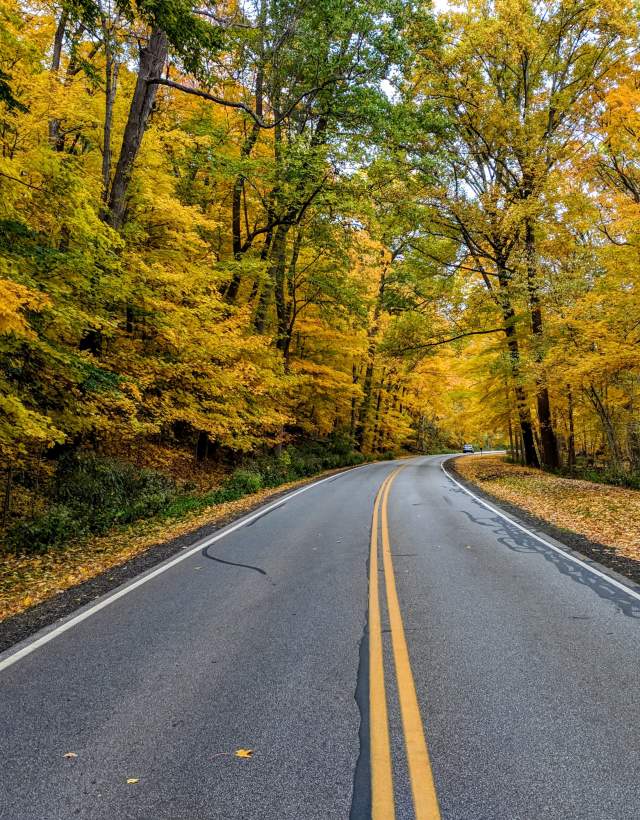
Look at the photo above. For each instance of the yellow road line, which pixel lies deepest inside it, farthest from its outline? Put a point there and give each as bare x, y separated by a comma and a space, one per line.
425, 801
382, 805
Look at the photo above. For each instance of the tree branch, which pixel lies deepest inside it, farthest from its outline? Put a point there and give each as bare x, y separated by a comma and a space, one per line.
187, 89
450, 339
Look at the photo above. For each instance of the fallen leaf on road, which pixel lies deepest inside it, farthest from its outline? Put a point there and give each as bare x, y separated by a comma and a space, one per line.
132, 780
70, 754
244, 753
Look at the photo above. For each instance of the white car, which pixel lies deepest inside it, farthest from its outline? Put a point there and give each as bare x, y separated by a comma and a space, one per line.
468, 448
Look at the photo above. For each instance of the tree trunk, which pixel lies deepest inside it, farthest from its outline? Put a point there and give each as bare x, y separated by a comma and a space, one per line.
372, 332
571, 444
355, 378
111, 80
6, 505
277, 272
275, 280
548, 441
607, 426
58, 40
260, 316
522, 404
152, 59
202, 446
291, 309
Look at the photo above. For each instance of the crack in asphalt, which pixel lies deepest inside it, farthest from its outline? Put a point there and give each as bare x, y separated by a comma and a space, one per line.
205, 553
517, 541
361, 797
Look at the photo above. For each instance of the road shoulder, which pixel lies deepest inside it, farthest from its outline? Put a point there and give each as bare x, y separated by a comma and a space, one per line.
625, 568
21, 626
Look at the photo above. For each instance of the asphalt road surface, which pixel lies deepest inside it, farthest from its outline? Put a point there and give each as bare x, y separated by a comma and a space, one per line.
481, 674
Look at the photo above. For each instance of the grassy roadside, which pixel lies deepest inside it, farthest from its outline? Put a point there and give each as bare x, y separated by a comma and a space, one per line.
28, 580
601, 513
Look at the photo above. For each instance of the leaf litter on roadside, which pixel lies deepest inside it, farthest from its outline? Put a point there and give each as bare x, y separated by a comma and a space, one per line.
601, 512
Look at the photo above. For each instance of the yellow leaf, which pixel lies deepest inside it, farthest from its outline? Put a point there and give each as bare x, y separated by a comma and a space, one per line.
70, 754
132, 780
244, 753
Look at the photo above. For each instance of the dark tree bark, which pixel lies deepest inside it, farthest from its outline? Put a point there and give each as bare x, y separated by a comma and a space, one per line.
289, 314
548, 440
111, 81
58, 40
571, 443
152, 59
607, 425
238, 189
522, 404
202, 446
6, 504
355, 377
260, 316
372, 332
277, 273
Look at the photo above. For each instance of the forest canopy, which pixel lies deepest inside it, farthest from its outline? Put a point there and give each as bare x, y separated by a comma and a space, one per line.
360, 225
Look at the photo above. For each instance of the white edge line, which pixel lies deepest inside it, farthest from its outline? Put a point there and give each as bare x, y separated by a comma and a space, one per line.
628, 590
120, 593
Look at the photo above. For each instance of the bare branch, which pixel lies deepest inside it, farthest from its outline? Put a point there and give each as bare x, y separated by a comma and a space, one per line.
439, 342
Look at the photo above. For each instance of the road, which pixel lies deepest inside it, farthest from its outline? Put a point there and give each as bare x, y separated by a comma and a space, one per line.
482, 674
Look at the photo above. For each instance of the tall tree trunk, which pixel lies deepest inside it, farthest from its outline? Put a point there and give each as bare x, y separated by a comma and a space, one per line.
58, 40
355, 377
260, 316
367, 388
571, 444
607, 425
548, 440
152, 59
277, 272
274, 282
372, 332
247, 148
111, 81
238, 188
522, 404
6, 504
286, 323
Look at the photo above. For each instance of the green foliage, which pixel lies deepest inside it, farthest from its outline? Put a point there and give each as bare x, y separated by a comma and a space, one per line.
242, 482
6, 94
92, 494
44, 530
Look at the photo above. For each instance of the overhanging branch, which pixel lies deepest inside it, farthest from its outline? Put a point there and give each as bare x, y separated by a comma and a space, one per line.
437, 343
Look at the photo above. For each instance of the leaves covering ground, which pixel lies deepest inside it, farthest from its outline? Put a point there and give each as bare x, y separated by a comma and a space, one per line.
602, 513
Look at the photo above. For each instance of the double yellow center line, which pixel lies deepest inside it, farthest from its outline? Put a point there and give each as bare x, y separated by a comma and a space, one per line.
425, 801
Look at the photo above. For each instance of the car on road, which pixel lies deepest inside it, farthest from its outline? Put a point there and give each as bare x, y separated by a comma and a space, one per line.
467, 448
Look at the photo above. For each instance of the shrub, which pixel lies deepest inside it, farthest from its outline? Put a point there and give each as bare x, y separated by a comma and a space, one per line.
241, 482
105, 491
43, 531
91, 494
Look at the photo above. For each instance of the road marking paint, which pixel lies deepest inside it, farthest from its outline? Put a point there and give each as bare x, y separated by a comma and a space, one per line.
36, 643
425, 800
382, 802
628, 590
